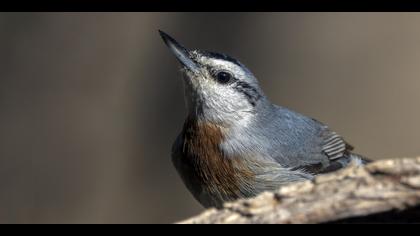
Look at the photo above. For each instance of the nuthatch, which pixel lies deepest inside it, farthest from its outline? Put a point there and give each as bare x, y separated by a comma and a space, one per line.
235, 143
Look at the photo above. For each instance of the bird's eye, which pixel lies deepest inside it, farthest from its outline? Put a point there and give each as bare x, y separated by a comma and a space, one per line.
223, 77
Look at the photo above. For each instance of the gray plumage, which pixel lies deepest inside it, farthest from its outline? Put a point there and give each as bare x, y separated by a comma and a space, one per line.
236, 143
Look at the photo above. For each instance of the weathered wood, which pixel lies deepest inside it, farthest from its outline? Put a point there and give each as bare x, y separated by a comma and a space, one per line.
383, 191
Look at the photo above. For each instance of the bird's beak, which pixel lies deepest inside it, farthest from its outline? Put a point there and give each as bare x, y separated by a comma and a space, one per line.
181, 53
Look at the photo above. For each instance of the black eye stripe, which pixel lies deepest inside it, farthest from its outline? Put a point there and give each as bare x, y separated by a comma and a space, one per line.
246, 86
251, 94
251, 99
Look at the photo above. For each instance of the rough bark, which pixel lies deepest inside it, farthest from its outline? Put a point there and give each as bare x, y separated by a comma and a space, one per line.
383, 191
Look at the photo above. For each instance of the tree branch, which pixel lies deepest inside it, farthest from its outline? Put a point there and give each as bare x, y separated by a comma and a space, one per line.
383, 191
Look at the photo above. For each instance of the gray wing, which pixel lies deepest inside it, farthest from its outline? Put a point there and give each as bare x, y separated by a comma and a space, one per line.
333, 145
337, 151
309, 145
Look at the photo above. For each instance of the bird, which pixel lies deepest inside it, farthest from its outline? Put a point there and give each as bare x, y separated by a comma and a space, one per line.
235, 143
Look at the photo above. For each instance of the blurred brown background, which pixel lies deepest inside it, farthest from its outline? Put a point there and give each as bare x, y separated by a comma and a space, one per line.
91, 102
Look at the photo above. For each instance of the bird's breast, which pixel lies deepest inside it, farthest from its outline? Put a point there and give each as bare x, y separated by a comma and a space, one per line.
209, 174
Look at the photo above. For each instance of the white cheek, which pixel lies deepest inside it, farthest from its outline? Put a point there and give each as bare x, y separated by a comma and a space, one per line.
225, 104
